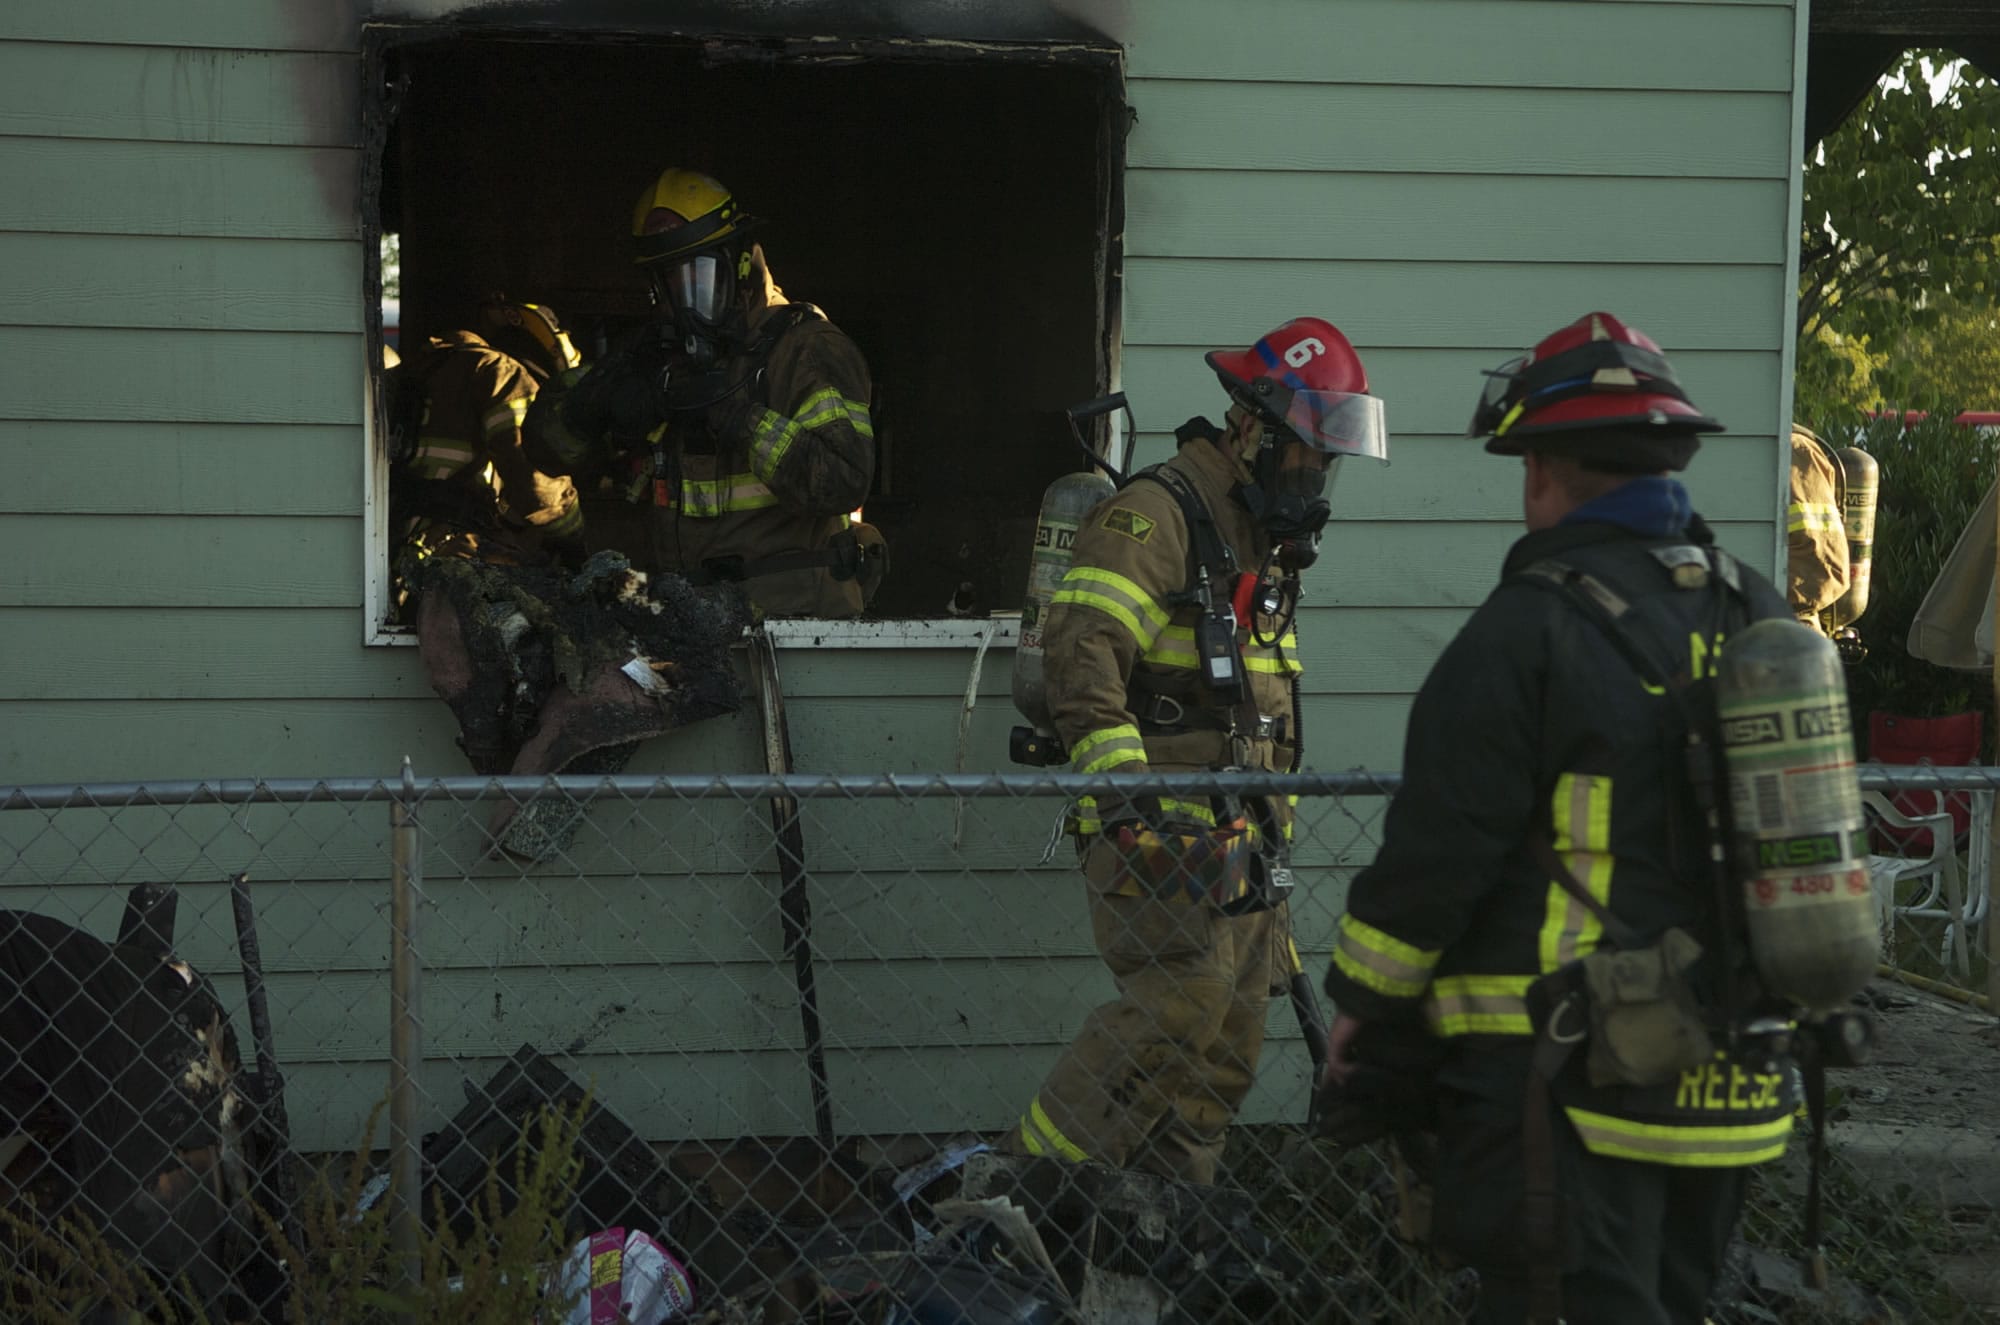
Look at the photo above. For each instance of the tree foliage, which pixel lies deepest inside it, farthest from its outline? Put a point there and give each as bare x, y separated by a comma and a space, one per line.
1956, 355
1901, 225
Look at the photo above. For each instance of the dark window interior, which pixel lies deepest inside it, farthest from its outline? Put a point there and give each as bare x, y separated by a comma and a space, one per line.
956, 217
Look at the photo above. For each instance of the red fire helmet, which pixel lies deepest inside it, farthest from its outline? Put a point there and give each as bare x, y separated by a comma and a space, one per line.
1595, 373
1307, 377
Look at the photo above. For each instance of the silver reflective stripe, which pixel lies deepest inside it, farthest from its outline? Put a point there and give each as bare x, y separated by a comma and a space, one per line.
1479, 1005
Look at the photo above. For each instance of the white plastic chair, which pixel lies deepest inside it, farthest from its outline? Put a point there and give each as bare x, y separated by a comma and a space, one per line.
1943, 894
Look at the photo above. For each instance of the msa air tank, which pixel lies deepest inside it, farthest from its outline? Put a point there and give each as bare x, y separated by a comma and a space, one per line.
1860, 480
1800, 838
1064, 505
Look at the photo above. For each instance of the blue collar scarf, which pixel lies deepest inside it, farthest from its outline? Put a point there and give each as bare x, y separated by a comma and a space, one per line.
1650, 506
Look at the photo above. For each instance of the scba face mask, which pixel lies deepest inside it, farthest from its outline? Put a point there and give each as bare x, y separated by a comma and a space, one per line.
697, 292
1287, 495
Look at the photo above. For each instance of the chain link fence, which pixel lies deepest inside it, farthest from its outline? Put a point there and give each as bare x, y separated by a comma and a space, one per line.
286, 1050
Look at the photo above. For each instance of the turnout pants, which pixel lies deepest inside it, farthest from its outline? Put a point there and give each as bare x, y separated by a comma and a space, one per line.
1154, 1077
1644, 1241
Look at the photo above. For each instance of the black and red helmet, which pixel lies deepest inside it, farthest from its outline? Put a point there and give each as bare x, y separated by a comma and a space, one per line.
1307, 377
1595, 385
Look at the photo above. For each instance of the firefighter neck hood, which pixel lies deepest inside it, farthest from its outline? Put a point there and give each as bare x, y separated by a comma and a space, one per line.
1650, 506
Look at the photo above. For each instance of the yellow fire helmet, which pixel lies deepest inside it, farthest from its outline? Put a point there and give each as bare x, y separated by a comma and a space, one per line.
683, 211
531, 334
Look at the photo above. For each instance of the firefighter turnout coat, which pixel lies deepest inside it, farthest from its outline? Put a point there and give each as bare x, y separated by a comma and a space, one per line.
1816, 552
756, 482
1532, 723
782, 477
1154, 1077
471, 401
1116, 633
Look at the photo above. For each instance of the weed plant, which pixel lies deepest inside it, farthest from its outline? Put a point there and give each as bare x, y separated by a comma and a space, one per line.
344, 1270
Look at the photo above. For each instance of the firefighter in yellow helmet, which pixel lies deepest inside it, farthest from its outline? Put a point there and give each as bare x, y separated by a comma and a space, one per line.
463, 484
736, 423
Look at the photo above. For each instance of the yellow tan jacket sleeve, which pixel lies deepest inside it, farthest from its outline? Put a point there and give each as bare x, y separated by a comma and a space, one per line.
1130, 558
813, 445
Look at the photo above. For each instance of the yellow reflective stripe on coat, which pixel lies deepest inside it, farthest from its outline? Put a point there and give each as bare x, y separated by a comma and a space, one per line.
1039, 1136
1818, 516
441, 457
1175, 648
772, 434
567, 525
505, 416
702, 497
1194, 811
1280, 659
1582, 814
1479, 1005
1679, 1145
1116, 597
1200, 812
1379, 962
1108, 747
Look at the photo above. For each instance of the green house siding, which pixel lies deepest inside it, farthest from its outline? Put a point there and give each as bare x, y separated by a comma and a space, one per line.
181, 549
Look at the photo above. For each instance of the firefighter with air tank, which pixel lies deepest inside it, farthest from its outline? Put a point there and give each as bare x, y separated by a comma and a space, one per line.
1168, 646
1815, 529
1622, 871
1830, 537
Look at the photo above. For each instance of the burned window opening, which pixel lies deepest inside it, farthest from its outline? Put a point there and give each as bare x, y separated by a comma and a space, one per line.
956, 208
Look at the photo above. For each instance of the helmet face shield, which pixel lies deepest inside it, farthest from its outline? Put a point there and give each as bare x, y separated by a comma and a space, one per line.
1492, 407
1339, 423
696, 287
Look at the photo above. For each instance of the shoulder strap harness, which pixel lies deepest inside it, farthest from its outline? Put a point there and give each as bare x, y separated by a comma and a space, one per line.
1690, 567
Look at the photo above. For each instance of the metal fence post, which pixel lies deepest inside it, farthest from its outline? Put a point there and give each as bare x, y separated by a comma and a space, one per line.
405, 1034
1984, 860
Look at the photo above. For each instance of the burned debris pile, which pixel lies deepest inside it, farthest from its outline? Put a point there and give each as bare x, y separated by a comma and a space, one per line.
786, 1231
541, 665
549, 671
124, 1106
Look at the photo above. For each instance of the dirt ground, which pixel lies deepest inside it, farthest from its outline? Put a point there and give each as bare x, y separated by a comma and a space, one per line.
1934, 1081
1920, 1124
